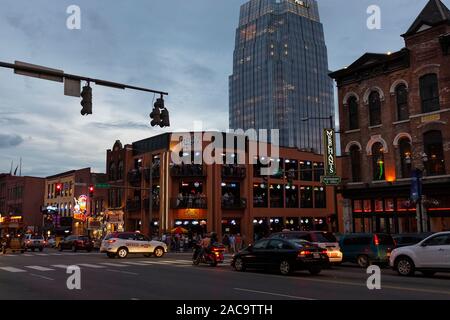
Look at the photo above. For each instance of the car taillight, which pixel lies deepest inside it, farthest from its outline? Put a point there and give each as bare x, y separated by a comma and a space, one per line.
325, 251
376, 240
304, 253
111, 241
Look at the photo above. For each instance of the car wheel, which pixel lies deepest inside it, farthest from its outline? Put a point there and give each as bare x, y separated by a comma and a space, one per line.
239, 265
363, 261
159, 252
428, 273
196, 262
404, 266
122, 253
285, 268
41, 249
74, 248
111, 255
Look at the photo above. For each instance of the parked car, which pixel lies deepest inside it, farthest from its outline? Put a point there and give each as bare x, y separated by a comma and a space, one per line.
409, 239
429, 256
322, 239
284, 255
121, 244
51, 242
366, 248
76, 243
35, 241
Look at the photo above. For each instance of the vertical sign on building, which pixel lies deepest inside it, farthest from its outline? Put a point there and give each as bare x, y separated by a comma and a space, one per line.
330, 177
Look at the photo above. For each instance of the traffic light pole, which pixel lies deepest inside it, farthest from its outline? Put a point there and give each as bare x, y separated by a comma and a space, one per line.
62, 75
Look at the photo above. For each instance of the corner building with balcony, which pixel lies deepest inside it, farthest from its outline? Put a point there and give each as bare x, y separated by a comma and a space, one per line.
225, 198
394, 117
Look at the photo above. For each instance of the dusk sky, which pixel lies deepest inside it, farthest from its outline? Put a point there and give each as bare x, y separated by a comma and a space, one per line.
182, 47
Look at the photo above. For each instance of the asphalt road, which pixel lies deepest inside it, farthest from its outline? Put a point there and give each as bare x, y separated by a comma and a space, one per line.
43, 276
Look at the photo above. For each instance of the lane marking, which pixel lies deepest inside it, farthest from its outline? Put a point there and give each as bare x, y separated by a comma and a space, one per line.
42, 277
134, 263
93, 266
273, 294
12, 269
39, 268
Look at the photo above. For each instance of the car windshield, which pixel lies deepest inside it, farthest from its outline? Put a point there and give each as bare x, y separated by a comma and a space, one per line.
324, 237
37, 237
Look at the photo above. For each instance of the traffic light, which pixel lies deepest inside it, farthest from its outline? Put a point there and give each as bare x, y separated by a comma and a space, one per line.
91, 191
156, 117
58, 189
160, 114
86, 102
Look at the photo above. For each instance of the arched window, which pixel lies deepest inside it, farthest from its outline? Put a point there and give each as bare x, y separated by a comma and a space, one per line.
375, 108
404, 148
401, 93
353, 121
355, 162
120, 170
429, 93
378, 165
435, 163
112, 171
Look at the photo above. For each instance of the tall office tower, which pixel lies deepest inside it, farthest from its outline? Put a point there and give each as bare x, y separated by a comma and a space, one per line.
280, 72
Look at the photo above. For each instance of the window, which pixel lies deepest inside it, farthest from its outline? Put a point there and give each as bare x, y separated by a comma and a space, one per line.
291, 196
261, 244
353, 122
112, 171
404, 147
378, 165
435, 153
349, 241
429, 93
319, 170
120, 170
355, 162
276, 196
375, 108
401, 93
260, 198
306, 197
306, 171
320, 198
275, 245
441, 240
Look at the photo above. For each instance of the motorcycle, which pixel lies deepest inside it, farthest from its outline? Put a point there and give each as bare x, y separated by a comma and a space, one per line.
212, 256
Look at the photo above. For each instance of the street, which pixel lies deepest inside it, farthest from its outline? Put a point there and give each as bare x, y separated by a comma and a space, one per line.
34, 275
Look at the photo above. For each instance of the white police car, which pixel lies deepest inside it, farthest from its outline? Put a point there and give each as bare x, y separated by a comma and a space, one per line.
121, 244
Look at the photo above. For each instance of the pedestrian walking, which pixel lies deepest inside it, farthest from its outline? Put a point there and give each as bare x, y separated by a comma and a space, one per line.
232, 244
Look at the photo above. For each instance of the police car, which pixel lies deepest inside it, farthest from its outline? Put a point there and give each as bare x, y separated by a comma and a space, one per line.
121, 244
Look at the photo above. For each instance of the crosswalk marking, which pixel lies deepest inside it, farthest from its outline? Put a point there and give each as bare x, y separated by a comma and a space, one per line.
134, 263
56, 254
111, 264
12, 269
39, 268
60, 266
88, 265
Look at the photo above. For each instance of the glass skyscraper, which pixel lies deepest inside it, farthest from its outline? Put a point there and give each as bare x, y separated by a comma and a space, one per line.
280, 72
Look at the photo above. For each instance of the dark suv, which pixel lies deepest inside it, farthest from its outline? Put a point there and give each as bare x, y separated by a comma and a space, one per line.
75, 243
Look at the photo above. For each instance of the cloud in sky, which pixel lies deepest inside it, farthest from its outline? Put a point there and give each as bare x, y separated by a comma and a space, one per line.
182, 47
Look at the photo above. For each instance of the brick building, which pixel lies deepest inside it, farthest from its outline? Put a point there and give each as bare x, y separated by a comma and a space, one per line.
213, 197
60, 206
20, 203
394, 116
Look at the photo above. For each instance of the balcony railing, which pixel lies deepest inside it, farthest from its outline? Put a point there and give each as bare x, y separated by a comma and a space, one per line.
133, 205
134, 177
191, 170
235, 204
194, 202
234, 171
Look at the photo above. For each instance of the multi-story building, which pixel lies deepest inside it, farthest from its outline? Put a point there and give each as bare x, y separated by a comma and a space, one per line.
225, 198
280, 72
20, 203
69, 205
394, 115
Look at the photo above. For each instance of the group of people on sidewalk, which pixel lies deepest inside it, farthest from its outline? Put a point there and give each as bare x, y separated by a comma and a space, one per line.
233, 242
